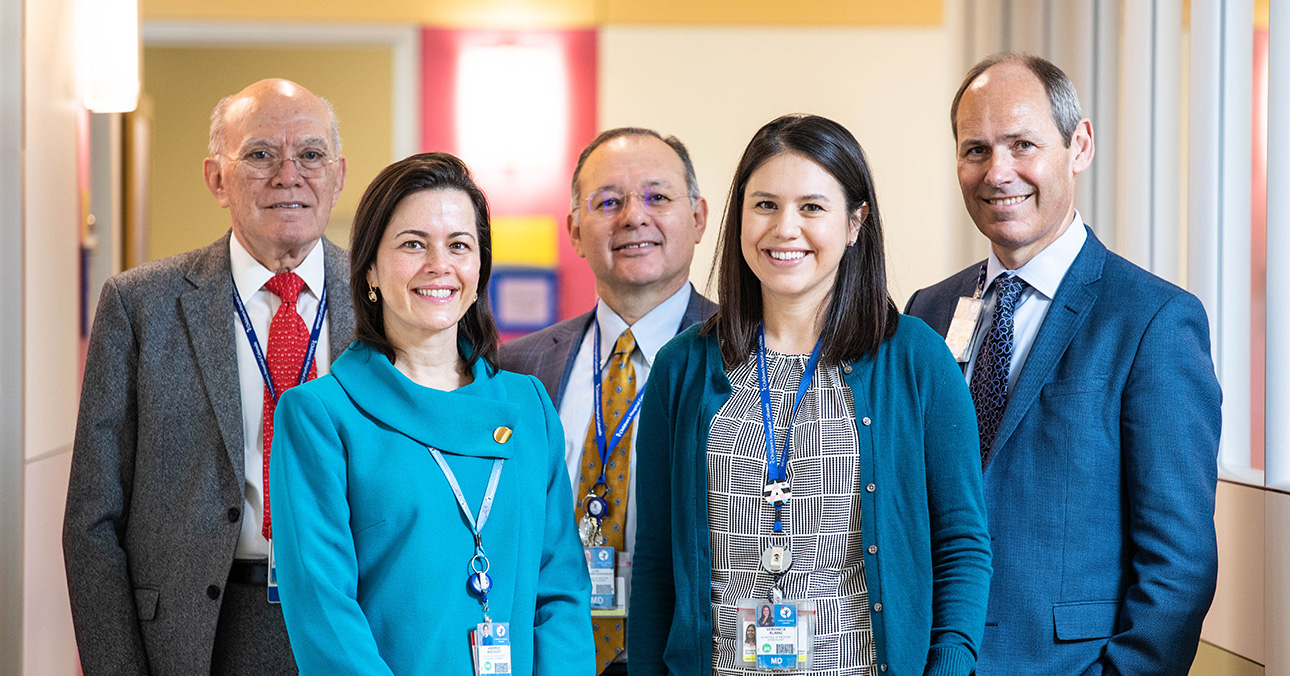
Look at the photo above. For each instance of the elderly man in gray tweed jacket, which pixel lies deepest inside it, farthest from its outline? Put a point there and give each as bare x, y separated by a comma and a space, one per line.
165, 535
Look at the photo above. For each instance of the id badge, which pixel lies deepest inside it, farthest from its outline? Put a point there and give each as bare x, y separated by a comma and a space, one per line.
273, 578
963, 327
600, 564
777, 636
490, 647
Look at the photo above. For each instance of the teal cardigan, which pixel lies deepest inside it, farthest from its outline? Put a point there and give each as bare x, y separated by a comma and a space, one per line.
927, 552
372, 549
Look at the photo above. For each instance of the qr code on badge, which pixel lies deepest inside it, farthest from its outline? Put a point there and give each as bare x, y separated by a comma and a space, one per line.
785, 648
602, 589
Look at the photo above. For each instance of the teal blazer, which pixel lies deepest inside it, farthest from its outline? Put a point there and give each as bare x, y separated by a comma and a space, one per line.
927, 552
371, 548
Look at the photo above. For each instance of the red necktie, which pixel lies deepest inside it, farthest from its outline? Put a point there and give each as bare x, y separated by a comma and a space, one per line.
288, 342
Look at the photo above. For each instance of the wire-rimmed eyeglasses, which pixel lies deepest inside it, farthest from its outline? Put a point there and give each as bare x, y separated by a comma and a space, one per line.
267, 162
609, 203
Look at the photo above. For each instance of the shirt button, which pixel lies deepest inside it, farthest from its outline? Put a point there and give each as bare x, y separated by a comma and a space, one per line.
233, 514
846, 369
213, 592
871, 488
866, 421
877, 607
873, 549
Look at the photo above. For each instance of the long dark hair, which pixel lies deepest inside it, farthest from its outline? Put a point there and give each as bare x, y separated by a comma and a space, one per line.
426, 171
860, 313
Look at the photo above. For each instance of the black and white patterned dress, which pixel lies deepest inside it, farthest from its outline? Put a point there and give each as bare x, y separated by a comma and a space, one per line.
822, 520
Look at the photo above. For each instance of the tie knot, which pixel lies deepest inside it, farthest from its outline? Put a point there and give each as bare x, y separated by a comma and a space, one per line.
626, 343
1010, 287
285, 285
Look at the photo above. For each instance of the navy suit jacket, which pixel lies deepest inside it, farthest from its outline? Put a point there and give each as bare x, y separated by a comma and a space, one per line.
1100, 485
549, 353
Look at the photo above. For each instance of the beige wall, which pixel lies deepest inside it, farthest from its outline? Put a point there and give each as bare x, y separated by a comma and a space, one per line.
51, 348
713, 87
184, 85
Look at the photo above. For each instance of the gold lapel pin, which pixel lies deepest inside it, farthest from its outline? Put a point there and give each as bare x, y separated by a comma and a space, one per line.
502, 435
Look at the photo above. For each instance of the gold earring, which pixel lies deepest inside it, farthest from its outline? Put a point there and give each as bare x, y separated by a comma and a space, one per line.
371, 292
476, 298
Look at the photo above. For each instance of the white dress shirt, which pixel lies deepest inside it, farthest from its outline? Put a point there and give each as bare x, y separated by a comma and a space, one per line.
250, 276
651, 332
1043, 274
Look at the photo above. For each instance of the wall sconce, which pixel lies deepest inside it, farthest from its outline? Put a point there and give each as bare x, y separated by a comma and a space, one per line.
108, 54
512, 106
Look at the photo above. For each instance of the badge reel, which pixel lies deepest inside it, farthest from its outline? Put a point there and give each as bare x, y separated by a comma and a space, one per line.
600, 559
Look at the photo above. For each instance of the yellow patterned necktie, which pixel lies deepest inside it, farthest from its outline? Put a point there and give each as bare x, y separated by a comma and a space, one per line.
618, 388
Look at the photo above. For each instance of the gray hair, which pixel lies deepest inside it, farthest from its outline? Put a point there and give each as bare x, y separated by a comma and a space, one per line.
691, 181
219, 125
1062, 98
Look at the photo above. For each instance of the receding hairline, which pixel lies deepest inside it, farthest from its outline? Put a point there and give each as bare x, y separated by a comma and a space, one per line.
257, 92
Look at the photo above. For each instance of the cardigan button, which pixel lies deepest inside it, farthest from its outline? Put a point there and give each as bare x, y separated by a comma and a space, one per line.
873, 549
502, 435
882, 667
871, 488
846, 369
877, 607
866, 421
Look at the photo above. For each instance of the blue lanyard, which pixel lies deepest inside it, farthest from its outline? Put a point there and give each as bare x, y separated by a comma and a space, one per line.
478, 577
598, 406
259, 352
777, 462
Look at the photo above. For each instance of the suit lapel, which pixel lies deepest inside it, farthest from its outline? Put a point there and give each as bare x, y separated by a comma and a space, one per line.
1070, 308
340, 304
207, 313
559, 371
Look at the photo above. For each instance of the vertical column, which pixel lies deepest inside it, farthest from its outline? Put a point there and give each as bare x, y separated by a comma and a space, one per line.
1278, 252
11, 443
1222, 56
1148, 218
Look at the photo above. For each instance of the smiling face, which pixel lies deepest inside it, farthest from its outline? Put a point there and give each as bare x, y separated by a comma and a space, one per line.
635, 249
794, 228
427, 266
1016, 174
278, 216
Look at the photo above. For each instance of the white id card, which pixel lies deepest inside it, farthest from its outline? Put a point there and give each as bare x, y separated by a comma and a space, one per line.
273, 578
963, 327
777, 636
490, 648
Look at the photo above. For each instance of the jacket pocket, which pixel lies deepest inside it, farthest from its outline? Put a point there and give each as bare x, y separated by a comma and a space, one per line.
145, 601
1059, 388
1085, 620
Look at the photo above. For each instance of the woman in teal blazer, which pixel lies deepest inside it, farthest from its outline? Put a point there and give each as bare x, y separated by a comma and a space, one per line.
884, 527
373, 551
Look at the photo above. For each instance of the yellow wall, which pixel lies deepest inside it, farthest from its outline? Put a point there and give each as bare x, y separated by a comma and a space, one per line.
184, 85
558, 13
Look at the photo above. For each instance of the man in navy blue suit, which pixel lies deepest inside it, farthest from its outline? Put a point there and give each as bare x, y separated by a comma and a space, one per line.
1096, 401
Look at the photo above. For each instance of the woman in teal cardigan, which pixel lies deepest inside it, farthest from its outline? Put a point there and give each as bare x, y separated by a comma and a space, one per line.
867, 516
373, 549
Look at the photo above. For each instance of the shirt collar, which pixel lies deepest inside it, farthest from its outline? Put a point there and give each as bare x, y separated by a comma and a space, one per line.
1045, 271
651, 331
250, 275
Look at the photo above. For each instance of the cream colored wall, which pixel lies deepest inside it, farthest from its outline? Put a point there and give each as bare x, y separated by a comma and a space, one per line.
51, 349
713, 87
184, 85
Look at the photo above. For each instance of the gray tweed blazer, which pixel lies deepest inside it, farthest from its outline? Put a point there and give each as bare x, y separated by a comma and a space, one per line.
155, 498
549, 353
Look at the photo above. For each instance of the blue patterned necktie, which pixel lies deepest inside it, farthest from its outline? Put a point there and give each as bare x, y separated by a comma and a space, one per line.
990, 376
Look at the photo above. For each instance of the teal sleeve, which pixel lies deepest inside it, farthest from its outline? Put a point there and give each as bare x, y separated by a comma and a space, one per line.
653, 598
956, 508
313, 545
562, 640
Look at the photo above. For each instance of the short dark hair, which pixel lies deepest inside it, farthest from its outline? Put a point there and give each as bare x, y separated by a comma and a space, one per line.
691, 180
860, 314
1063, 100
426, 171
